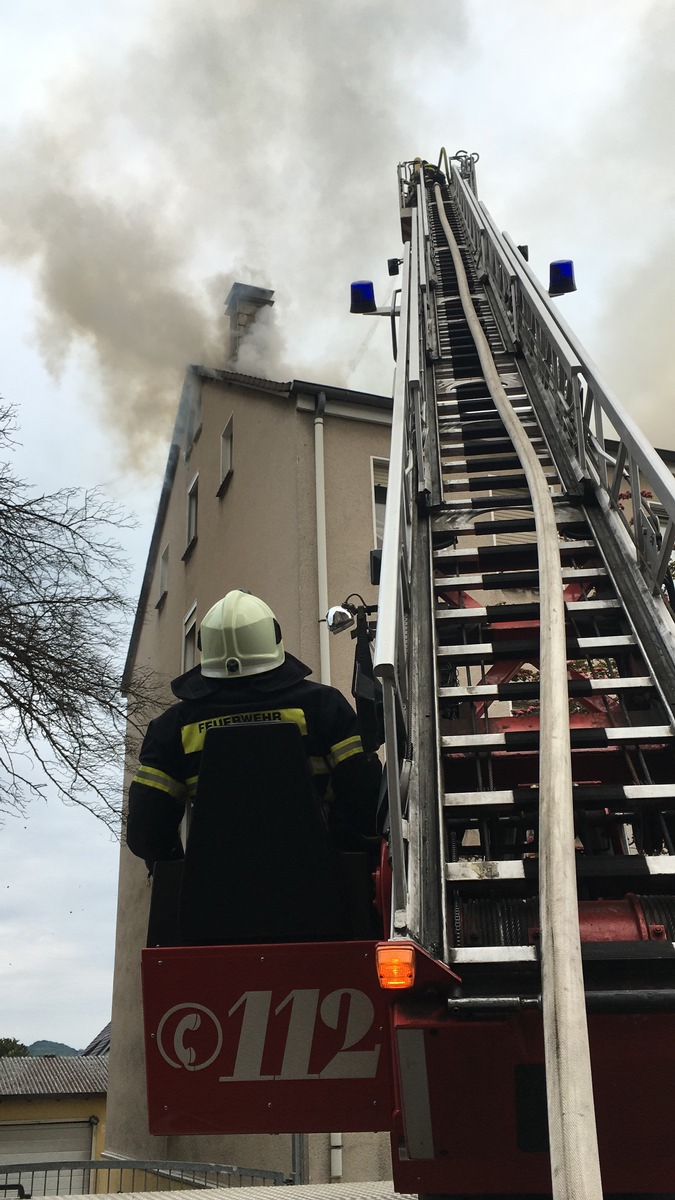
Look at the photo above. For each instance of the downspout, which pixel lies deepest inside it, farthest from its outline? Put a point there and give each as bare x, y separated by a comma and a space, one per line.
324, 643
335, 1157
321, 551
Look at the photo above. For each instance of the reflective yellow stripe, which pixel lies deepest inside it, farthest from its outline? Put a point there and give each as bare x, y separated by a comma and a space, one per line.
152, 777
191, 785
318, 766
347, 749
193, 736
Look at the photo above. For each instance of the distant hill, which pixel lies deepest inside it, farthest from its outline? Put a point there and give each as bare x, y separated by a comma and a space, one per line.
37, 1049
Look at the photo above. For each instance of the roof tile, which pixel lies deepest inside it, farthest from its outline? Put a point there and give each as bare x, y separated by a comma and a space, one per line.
58, 1075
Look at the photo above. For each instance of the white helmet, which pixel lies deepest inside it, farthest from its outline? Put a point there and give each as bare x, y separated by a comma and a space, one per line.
240, 636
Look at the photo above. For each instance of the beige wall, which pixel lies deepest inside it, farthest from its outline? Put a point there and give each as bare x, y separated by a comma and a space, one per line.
261, 535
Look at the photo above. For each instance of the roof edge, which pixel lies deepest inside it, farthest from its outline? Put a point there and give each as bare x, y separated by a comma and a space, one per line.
344, 395
184, 405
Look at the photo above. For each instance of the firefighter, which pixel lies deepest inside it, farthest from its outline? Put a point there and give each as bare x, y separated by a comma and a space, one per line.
245, 675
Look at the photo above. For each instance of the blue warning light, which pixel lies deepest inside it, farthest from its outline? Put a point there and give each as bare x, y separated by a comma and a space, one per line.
363, 297
561, 277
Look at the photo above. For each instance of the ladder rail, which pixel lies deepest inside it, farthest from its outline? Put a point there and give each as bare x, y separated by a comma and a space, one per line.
391, 656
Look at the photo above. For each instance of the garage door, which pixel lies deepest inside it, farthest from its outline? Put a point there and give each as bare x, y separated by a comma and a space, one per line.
46, 1141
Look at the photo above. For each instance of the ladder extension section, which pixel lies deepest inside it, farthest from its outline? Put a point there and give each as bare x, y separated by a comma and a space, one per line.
528, 532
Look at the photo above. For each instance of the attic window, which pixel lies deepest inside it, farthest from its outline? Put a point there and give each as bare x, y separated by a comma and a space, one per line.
194, 422
192, 515
226, 457
190, 638
163, 577
380, 470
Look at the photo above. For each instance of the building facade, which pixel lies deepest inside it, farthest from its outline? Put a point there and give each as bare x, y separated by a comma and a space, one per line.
277, 488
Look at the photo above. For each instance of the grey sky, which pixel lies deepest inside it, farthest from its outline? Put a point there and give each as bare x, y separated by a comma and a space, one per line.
150, 152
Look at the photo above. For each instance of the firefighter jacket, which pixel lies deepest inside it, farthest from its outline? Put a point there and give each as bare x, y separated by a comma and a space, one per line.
170, 755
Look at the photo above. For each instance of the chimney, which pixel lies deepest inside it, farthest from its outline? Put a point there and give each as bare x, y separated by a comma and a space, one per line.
242, 306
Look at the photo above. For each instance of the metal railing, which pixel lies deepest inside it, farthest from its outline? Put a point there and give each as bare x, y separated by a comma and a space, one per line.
579, 402
102, 1177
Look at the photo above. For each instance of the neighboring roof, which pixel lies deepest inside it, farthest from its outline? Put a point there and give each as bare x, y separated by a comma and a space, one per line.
381, 1190
100, 1044
60, 1075
254, 381
286, 390
296, 387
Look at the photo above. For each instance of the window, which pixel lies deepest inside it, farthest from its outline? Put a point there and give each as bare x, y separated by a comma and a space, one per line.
226, 457
380, 470
189, 660
194, 419
190, 638
192, 514
380, 476
163, 577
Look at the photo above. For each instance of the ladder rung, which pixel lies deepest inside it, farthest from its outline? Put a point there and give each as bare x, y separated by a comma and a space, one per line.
480, 870
495, 445
589, 647
493, 954
588, 795
588, 866
588, 606
489, 463
508, 548
491, 483
500, 613
475, 419
521, 691
503, 580
441, 525
580, 735
519, 499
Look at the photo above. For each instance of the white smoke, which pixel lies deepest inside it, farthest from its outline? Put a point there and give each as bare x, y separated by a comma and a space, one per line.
267, 133
224, 133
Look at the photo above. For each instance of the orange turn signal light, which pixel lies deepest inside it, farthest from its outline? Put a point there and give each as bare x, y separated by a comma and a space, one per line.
395, 965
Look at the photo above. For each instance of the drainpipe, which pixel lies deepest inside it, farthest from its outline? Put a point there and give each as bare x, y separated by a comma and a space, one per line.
324, 642
321, 552
299, 1158
335, 1157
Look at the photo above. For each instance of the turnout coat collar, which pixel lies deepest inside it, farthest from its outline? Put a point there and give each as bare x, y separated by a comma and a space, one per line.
195, 686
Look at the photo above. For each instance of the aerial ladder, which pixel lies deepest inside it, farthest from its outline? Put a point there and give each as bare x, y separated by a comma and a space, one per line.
513, 1029
527, 660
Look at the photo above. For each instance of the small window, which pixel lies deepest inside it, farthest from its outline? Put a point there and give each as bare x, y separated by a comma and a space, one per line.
163, 577
380, 478
226, 460
194, 420
192, 515
190, 638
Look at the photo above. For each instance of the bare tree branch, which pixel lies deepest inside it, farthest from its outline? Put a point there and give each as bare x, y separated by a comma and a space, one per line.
64, 615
